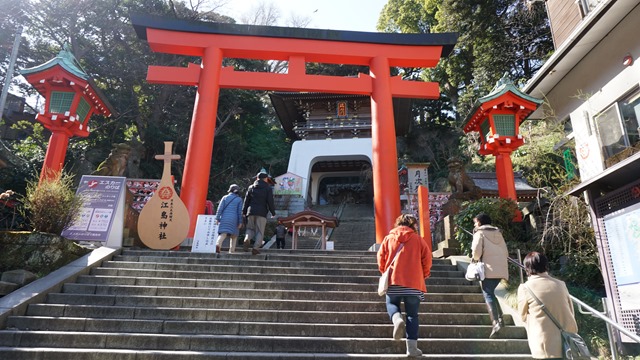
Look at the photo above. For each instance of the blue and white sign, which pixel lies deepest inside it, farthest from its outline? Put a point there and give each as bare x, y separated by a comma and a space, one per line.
102, 216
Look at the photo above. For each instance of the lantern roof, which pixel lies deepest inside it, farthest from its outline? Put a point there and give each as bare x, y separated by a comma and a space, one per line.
504, 85
76, 74
504, 94
64, 59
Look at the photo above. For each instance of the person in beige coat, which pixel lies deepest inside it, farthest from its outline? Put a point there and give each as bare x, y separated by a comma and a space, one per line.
545, 341
488, 246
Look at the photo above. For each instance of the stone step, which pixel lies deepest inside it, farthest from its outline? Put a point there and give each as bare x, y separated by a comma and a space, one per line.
242, 260
108, 354
382, 330
275, 294
176, 264
194, 278
322, 256
307, 255
244, 303
258, 343
286, 316
439, 285
248, 267
281, 304
364, 291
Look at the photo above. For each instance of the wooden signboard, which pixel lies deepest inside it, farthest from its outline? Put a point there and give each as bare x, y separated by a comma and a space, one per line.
164, 220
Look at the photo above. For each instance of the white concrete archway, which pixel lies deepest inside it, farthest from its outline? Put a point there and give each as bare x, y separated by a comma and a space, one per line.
306, 153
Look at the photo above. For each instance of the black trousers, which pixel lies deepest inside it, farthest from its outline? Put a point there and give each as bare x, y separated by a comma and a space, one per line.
280, 243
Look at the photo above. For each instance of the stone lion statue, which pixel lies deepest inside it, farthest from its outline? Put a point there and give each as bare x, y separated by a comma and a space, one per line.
116, 162
462, 186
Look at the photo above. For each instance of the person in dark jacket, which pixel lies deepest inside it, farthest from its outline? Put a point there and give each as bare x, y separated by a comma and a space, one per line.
258, 203
281, 233
229, 218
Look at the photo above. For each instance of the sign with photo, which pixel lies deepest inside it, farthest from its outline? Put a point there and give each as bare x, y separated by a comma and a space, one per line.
104, 200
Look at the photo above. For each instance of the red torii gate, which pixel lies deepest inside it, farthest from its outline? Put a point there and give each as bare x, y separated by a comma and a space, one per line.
215, 41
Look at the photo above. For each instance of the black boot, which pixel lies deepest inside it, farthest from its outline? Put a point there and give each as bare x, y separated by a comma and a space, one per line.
496, 319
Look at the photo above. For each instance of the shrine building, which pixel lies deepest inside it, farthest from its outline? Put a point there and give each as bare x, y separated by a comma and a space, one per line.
332, 149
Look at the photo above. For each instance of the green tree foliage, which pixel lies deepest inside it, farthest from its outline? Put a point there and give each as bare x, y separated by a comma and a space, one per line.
248, 137
494, 37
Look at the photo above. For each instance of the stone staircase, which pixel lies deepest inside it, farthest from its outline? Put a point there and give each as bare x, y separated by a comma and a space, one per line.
356, 230
281, 304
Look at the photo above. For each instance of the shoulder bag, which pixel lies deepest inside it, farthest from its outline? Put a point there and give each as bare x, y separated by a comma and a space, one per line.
383, 283
475, 270
573, 345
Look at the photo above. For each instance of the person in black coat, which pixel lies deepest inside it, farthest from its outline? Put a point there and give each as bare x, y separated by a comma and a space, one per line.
258, 202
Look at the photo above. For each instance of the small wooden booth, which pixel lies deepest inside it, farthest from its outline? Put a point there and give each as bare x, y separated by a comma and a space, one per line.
309, 218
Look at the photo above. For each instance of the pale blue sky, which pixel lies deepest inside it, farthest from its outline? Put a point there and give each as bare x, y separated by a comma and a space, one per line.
356, 15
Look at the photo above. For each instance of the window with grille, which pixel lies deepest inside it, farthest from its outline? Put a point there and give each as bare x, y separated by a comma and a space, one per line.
60, 101
505, 125
83, 110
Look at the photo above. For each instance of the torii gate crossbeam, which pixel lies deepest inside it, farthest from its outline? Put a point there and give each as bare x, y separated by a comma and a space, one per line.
213, 42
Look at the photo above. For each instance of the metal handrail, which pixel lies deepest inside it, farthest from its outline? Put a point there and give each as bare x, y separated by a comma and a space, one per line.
337, 213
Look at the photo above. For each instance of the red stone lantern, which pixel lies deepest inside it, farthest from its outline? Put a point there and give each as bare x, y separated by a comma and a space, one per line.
71, 98
497, 118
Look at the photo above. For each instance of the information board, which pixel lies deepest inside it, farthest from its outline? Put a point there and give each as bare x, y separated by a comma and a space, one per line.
623, 234
206, 234
102, 216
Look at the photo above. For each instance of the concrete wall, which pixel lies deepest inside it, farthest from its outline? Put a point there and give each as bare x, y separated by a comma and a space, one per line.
305, 153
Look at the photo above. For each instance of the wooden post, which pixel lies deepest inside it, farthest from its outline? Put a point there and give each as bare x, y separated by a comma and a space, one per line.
425, 216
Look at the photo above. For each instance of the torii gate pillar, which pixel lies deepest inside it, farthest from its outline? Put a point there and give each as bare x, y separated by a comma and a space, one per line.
386, 185
215, 41
195, 180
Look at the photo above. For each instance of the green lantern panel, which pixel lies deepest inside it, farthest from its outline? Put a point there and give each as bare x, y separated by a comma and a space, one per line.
485, 129
60, 101
505, 125
83, 110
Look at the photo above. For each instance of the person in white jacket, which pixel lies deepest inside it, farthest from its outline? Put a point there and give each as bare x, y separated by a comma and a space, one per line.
489, 247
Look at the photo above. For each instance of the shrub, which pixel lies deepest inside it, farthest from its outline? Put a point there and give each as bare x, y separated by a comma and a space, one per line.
569, 242
51, 205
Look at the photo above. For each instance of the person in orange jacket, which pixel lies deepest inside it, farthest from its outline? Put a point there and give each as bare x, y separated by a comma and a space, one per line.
407, 278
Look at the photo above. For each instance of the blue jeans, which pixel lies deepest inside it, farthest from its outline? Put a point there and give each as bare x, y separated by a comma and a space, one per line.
489, 293
411, 305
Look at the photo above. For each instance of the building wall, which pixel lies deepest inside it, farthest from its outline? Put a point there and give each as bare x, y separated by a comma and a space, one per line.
597, 82
564, 16
305, 153
597, 70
